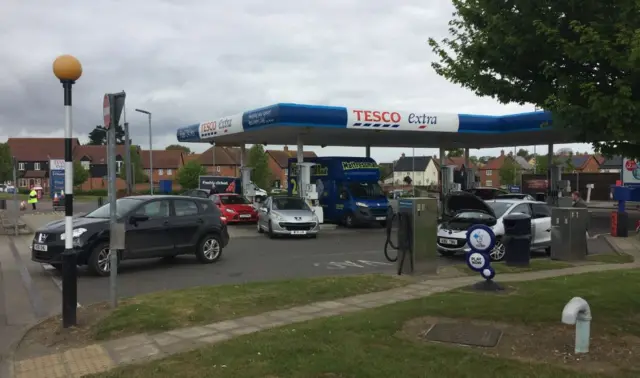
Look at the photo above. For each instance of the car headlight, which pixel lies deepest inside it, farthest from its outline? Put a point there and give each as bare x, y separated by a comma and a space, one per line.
277, 217
230, 211
361, 204
77, 232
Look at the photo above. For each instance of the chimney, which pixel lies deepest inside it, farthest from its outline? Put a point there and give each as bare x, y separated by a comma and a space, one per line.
286, 149
501, 152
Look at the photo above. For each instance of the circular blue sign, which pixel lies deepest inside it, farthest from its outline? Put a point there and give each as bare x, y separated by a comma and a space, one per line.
488, 273
477, 261
480, 238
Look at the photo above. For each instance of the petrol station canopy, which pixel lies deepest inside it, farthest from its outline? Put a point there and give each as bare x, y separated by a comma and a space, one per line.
283, 123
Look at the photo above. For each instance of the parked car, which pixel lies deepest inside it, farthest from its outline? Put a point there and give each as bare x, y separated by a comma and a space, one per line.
487, 193
10, 189
462, 210
155, 226
283, 215
235, 208
520, 196
199, 193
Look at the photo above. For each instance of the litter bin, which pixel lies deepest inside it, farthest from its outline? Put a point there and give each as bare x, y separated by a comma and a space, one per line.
541, 197
517, 239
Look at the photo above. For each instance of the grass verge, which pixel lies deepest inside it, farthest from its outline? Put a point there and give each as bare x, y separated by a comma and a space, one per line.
369, 343
201, 305
611, 258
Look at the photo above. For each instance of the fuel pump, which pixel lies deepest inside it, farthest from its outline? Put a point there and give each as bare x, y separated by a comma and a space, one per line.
308, 190
248, 188
470, 178
417, 229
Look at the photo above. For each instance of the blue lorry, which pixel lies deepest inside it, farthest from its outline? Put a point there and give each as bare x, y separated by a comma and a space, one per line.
348, 189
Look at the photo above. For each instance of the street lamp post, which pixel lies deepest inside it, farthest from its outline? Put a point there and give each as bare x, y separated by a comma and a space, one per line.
150, 150
68, 70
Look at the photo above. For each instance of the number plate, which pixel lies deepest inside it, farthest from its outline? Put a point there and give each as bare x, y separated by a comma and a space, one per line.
245, 215
448, 241
40, 247
298, 232
381, 218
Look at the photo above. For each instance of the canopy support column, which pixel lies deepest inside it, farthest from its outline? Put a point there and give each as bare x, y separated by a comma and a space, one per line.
300, 159
367, 151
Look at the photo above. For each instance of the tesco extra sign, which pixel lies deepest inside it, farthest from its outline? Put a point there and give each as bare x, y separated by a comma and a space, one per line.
377, 116
208, 127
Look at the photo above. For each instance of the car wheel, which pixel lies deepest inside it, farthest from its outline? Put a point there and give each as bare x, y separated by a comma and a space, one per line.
210, 249
260, 230
100, 260
447, 253
498, 251
270, 232
348, 220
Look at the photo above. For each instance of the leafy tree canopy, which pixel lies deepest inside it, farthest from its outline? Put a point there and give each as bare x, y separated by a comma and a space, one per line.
261, 174
98, 136
189, 175
178, 147
581, 61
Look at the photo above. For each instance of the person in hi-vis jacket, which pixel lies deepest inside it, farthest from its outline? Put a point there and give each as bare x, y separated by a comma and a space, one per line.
33, 198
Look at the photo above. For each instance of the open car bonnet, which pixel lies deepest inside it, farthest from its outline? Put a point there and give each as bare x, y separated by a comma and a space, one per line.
457, 202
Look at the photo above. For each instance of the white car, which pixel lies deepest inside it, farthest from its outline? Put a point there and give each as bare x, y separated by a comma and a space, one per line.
462, 210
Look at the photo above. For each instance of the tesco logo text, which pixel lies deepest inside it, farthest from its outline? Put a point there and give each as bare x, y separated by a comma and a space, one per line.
208, 127
376, 116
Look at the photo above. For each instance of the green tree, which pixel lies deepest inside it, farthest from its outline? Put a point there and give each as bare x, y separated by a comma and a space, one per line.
524, 154
98, 136
261, 173
178, 147
80, 175
385, 170
474, 159
6, 163
138, 171
542, 163
456, 152
509, 172
581, 63
568, 163
189, 175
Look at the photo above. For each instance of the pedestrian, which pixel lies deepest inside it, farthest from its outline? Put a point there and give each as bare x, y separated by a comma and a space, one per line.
577, 200
33, 198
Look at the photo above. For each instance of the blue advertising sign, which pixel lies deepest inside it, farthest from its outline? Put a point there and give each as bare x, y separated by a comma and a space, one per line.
515, 189
189, 134
481, 239
56, 182
260, 117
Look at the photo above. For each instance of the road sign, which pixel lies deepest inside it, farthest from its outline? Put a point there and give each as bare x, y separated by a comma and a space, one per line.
106, 111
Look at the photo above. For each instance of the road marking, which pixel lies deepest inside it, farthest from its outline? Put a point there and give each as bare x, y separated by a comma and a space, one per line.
49, 269
341, 265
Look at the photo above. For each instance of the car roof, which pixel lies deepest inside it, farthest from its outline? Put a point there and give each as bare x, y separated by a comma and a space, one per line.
148, 197
515, 200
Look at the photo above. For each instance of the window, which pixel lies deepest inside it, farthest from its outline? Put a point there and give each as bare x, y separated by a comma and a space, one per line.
155, 209
123, 206
523, 208
86, 165
118, 166
160, 172
489, 182
541, 210
185, 208
289, 203
234, 200
21, 166
286, 172
489, 172
36, 166
169, 172
218, 169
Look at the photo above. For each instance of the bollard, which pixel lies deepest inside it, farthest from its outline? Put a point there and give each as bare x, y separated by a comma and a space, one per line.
578, 312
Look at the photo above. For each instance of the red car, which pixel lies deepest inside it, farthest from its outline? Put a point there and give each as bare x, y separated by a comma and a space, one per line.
235, 208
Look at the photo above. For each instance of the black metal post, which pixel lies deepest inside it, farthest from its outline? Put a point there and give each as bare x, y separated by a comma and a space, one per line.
69, 262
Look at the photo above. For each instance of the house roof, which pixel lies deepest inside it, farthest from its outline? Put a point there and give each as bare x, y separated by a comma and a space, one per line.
614, 162
223, 156
578, 161
458, 161
162, 159
281, 157
495, 163
412, 164
98, 154
523, 163
38, 149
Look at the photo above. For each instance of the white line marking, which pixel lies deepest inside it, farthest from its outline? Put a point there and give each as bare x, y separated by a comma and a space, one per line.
49, 269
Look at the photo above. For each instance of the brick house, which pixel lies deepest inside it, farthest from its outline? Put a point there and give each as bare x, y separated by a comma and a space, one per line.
490, 172
278, 164
33, 155
165, 164
227, 162
95, 160
582, 163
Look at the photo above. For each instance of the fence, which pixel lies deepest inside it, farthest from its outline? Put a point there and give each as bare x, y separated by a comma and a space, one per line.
602, 182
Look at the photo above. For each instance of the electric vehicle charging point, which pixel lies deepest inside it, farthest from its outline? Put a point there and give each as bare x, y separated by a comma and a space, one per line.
481, 240
417, 229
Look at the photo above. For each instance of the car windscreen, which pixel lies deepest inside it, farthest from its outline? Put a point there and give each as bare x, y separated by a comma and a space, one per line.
123, 206
499, 208
234, 200
289, 203
365, 190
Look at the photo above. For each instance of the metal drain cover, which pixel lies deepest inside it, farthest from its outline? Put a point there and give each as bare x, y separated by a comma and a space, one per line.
466, 334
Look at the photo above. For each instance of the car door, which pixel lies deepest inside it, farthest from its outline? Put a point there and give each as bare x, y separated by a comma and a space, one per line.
149, 237
185, 222
542, 220
263, 213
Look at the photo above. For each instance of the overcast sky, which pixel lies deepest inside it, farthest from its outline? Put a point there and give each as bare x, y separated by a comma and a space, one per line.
188, 61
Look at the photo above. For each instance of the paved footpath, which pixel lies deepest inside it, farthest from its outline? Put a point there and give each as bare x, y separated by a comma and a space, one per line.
104, 356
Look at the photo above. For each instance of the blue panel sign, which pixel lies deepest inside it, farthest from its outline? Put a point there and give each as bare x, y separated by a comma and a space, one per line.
515, 189
189, 133
56, 182
261, 117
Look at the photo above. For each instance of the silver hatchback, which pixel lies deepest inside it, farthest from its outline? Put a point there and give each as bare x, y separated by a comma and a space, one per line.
287, 216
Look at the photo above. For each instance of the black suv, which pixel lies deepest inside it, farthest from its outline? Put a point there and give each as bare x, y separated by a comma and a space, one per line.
155, 226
